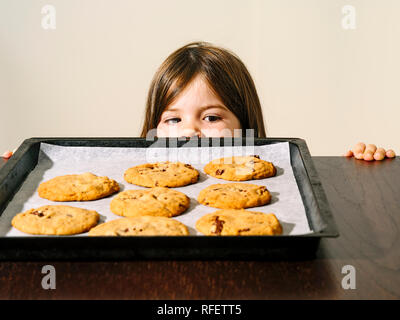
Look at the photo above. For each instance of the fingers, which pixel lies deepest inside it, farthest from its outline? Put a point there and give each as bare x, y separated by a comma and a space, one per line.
370, 148
359, 155
379, 154
368, 155
7, 154
390, 153
359, 148
369, 152
348, 154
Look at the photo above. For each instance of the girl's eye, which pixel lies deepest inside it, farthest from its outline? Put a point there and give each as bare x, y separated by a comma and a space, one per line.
172, 119
213, 118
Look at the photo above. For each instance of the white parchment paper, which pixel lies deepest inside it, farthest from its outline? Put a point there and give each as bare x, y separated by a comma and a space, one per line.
112, 162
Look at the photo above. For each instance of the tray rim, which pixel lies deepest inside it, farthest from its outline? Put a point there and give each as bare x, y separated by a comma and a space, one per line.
331, 230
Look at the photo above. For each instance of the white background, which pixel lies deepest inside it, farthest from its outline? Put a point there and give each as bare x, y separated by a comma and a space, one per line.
89, 77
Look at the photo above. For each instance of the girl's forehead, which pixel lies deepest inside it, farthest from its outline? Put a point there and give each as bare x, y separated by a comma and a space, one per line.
197, 93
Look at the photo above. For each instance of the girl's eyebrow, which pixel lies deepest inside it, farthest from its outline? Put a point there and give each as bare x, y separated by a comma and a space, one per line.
219, 106
202, 108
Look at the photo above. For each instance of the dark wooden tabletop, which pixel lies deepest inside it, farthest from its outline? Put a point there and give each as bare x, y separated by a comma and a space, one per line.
365, 201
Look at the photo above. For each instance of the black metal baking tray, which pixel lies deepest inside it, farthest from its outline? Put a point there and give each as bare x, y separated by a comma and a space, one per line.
319, 216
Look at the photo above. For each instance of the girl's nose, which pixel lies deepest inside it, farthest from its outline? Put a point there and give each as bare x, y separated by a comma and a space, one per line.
194, 134
190, 131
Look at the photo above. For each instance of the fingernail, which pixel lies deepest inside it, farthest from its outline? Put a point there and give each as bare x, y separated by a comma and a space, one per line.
359, 156
390, 153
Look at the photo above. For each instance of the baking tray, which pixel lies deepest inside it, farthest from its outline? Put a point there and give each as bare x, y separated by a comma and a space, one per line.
318, 213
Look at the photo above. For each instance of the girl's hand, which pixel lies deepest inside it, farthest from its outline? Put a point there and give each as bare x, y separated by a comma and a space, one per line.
369, 152
7, 154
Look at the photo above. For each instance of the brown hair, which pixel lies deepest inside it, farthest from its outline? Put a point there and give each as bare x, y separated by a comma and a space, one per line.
225, 73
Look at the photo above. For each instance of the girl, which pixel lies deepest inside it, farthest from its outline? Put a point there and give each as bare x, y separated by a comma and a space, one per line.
206, 91
201, 89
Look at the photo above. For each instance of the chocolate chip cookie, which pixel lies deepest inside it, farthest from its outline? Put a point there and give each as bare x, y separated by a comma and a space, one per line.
141, 226
55, 220
162, 174
77, 187
157, 201
240, 168
231, 222
234, 195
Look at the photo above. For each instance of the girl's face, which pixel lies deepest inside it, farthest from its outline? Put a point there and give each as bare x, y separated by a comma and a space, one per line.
197, 111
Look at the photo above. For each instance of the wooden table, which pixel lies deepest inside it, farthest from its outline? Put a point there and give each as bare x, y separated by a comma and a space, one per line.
365, 201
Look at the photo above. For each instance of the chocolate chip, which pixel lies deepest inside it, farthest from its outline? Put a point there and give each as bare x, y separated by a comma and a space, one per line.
128, 197
37, 213
219, 172
219, 225
119, 232
126, 230
243, 230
